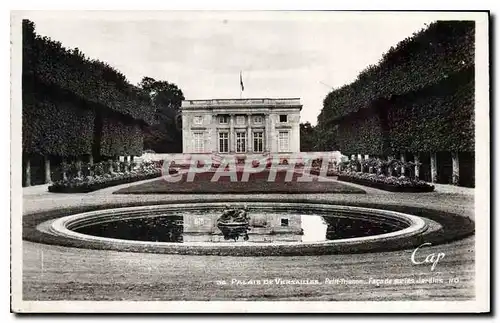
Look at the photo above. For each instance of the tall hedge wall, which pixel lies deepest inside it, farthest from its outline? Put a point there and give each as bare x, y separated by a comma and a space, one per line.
92, 80
440, 118
361, 133
66, 97
56, 127
120, 139
420, 97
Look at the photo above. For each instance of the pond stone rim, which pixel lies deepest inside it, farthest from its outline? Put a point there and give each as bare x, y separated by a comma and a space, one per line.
62, 227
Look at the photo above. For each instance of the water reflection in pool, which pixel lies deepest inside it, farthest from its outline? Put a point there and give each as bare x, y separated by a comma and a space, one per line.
273, 226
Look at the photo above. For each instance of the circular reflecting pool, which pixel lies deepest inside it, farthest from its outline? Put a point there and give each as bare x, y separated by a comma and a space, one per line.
239, 229
261, 226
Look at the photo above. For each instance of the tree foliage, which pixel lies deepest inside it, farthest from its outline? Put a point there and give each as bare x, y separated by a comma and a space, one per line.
307, 137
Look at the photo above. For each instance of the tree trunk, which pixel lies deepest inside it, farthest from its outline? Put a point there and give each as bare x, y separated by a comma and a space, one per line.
456, 168
402, 156
48, 179
110, 166
78, 167
417, 167
390, 169
433, 167
28, 172
91, 162
64, 174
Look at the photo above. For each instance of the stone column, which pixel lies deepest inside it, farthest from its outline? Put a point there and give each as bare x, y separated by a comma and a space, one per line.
232, 141
456, 168
433, 168
403, 160
27, 165
48, 178
417, 167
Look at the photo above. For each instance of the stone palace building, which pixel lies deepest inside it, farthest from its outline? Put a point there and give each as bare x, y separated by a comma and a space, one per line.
241, 126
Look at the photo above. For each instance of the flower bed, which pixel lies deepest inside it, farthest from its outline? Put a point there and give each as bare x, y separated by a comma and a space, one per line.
387, 183
85, 184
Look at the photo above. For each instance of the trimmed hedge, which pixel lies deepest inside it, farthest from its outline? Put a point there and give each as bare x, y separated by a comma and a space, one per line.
361, 132
74, 106
120, 139
420, 97
440, 118
56, 128
424, 59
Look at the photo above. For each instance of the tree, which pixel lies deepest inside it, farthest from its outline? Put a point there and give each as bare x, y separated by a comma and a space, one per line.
165, 135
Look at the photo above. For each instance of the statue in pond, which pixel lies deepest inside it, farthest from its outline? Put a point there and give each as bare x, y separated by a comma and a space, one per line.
234, 222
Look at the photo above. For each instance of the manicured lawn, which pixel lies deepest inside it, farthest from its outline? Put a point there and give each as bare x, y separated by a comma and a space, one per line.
257, 183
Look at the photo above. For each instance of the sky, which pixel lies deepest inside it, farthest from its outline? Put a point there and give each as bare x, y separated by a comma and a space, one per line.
280, 54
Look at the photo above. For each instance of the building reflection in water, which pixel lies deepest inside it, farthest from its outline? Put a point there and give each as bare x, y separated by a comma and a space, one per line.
262, 228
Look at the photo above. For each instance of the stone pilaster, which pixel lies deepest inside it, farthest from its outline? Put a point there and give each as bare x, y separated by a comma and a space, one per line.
232, 139
267, 133
249, 133
214, 139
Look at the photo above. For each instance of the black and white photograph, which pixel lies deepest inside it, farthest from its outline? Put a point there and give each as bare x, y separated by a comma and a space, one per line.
250, 161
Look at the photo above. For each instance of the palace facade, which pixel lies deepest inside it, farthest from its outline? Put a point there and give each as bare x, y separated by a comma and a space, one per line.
241, 126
